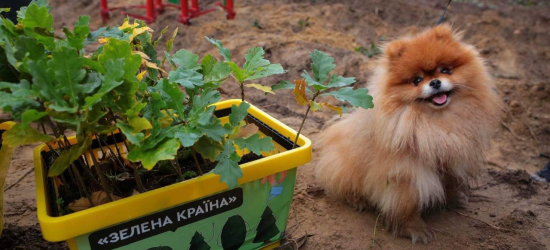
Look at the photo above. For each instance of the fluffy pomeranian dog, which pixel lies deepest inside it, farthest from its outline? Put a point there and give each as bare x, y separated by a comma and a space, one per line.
435, 111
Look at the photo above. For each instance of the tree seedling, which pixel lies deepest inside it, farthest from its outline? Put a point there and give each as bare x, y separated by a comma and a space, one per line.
254, 68
324, 83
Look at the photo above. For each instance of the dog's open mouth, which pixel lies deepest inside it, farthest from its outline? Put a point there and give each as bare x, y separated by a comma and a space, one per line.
439, 99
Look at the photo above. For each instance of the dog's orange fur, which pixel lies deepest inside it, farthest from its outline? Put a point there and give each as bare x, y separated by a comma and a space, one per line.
405, 155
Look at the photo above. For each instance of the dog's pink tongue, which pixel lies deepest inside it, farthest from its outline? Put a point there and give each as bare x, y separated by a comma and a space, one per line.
440, 99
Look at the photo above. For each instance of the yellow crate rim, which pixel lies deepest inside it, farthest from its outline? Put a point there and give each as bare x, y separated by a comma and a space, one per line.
90, 220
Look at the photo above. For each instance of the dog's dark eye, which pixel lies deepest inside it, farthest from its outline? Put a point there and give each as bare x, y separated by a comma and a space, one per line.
417, 80
445, 71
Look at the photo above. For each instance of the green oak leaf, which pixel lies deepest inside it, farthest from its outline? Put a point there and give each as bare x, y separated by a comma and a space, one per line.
207, 64
238, 113
255, 144
239, 73
208, 148
90, 82
133, 136
68, 71
41, 3
117, 49
106, 32
31, 115
43, 85
172, 95
186, 78
223, 51
357, 98
228, 165
29, 49
186, 59
109, 81
340, 81
35, 16
283, 85
214, 129
321, 65
203, 118
310, 82
254, 59
200, 102
80, 31
218, 72
188, 135
67, 157
272, 69
20, 98
22, 135
157, 135
166, 150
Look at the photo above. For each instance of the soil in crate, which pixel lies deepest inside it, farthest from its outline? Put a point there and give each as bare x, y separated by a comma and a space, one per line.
122, 180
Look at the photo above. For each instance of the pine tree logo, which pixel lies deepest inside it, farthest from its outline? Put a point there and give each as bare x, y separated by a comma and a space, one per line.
198, 243
267, 228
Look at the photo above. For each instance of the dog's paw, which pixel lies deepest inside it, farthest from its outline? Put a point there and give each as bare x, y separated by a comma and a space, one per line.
418, 231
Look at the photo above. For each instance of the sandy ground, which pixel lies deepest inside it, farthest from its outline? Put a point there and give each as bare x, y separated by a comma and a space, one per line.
506, 210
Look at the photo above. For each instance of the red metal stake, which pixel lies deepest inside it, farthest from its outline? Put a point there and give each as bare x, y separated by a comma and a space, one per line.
151, 12
184, 12
227, 5
159, 6
229, 9
195, 6
154, 7
104, 11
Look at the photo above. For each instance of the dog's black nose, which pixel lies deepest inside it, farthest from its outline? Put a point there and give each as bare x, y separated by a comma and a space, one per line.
435, 84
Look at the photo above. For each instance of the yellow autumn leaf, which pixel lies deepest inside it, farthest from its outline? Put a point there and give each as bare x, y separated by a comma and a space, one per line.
152, 65
139, 123
143, 55
126, 25
139, 31
167, 120
265, 89
300, 92
330, 106
141, 75
103, 40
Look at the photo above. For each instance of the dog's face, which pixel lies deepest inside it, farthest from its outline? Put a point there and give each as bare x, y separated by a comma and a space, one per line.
431, 71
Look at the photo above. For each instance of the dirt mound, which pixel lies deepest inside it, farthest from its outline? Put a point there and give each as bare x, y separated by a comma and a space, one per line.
520, 180
513, 226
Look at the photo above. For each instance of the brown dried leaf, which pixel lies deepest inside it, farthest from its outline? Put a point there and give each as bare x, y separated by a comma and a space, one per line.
300, 92
247, 130
98, 198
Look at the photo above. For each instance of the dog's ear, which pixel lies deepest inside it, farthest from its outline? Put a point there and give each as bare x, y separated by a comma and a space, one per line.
445, 32
394, 50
